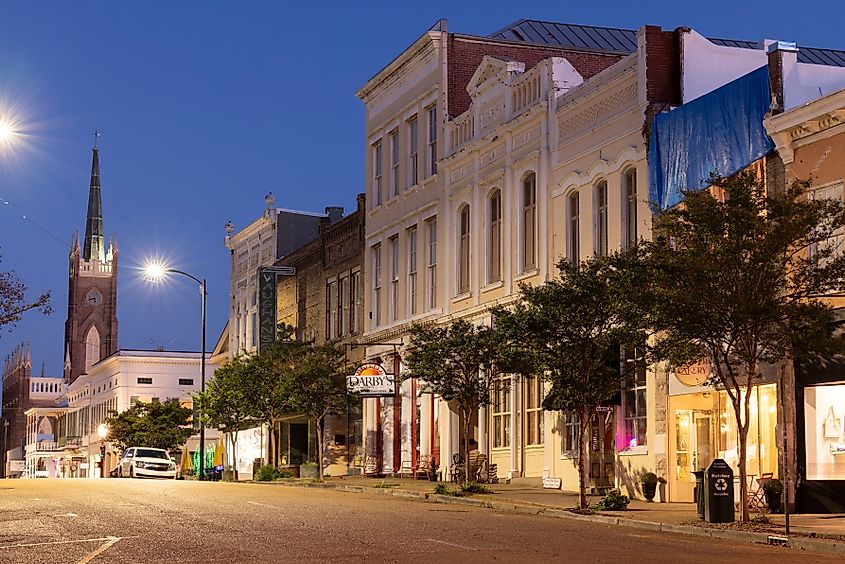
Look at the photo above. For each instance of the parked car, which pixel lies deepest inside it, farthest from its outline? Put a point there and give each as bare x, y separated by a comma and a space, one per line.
139, 462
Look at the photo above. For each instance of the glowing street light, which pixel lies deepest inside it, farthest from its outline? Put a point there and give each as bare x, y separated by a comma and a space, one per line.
156, 272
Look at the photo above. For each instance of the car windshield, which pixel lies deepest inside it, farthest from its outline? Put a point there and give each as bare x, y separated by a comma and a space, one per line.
151, 453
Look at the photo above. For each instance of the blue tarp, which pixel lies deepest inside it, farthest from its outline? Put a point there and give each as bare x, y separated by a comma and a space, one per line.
721, 132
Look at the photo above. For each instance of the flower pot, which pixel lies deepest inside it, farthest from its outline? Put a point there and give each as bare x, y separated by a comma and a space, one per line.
649, 490
773, 501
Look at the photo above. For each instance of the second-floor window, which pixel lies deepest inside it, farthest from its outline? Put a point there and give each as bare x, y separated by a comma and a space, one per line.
432, 140
378, 193
412, 271
413, 147
331, 310
573, 230
394, 163
529, 223
837, 239
394, 278
377, 285
431, 265
494, 239
463, 251
344, 298
357, 303
630, 184
601, 218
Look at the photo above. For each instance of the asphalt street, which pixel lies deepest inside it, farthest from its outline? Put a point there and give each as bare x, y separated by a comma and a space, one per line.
80, 521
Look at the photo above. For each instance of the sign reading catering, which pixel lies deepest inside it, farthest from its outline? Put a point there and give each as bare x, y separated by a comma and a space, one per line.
370, 380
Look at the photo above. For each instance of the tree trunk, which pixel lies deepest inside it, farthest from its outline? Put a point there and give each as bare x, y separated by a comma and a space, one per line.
466, 445
742, 440
235, 455
582, 456
271, 441
319, 424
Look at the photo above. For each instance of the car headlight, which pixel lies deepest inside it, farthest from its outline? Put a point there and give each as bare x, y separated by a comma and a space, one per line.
172, 466
139, 464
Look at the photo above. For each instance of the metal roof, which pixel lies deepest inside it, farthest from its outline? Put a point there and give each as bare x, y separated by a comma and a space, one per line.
625, 40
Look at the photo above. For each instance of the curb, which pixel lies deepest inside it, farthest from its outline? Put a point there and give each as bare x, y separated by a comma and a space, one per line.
800, 543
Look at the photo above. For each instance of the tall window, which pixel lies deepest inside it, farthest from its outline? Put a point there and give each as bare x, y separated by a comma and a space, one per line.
343, 299
377, 173
534, 410
573, 230
463, 251
634, 397
254, 325
529, 223
412, 271
432, 140
835, 242
431, 265
413, 157
376, 285
601, 218
394, 278
331, 309
357, 303
394, 163
569, 430
630, 181
494, 239
92, 347
501, 413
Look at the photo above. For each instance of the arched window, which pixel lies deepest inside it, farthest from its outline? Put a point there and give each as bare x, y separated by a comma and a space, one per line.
494, 238
601, 219
629, 183
573, 230
92, 347
463, 251
529, 222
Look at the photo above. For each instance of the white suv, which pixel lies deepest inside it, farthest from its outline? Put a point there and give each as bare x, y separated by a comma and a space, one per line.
148, 462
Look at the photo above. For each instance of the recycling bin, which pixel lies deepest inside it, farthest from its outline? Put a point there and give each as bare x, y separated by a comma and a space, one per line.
719, 492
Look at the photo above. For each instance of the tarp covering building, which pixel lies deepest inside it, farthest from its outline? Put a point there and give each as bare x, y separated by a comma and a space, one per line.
719, 132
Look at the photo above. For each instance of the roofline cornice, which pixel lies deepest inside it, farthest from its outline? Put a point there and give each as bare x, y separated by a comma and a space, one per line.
418, 46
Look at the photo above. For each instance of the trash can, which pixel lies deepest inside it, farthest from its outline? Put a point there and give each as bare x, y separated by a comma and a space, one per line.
719, 492
698, 492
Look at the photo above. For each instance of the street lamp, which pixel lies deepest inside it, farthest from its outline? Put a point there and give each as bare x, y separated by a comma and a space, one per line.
157, 272
102, 431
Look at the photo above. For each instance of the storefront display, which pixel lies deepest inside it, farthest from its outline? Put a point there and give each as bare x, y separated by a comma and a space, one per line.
824, 429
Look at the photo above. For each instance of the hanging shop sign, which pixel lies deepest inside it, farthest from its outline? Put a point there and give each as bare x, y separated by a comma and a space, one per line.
693, 374
370, 380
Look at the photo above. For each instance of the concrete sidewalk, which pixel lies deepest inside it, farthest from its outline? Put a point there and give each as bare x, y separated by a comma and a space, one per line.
821, 526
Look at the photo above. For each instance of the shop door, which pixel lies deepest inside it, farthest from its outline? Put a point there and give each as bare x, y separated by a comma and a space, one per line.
703, 455
601, 450
298, 443
694, 448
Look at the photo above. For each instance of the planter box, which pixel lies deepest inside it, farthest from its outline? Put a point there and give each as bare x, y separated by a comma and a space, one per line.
309, 471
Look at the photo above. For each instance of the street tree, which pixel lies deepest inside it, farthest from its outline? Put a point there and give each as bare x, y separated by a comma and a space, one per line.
571, 330
165, 425
731, 275
458, 362
317, 386
270, 388
13, 301
226, 403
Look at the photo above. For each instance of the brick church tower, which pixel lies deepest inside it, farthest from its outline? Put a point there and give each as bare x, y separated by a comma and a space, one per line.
91, 326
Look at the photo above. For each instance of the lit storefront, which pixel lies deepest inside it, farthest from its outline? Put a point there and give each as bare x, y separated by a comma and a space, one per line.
702, 427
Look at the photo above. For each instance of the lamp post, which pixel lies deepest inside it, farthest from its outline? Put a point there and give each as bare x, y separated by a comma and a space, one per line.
102, 431
157, 272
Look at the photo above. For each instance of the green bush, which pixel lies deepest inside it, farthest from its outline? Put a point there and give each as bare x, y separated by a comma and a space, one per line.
773, 486
473, 488
442, 489
649, 478
613, 501
268, 473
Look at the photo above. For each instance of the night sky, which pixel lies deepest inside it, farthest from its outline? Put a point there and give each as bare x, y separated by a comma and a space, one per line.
204, 107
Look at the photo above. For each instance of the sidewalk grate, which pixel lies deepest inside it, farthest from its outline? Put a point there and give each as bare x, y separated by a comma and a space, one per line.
777, 541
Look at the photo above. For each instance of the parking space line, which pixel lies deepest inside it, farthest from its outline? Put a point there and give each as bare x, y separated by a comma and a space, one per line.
48, 543
453, 544
103, 547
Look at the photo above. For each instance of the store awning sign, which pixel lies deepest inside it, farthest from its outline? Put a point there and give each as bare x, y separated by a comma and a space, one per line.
370, 380
693, 374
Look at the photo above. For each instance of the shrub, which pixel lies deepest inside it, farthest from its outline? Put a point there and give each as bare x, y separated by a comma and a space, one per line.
649, 478
473, 488
442, 489
268, 473
773, 486
613, 501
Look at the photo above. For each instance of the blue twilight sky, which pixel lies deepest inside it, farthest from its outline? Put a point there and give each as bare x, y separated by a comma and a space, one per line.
205, 106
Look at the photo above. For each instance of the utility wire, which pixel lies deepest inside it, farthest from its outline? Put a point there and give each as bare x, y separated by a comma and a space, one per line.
22, 216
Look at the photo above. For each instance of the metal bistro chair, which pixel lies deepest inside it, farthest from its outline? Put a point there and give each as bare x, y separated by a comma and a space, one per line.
756, 494
456, 470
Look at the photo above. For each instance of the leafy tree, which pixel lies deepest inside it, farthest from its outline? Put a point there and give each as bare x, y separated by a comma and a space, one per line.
570, 330
457, 362
317, 386
165, 425
729, 277
13, 302
270, 389
226, 403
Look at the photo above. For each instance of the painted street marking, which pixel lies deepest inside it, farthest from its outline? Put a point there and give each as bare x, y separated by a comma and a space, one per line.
62, 542
103, 547
453, 544
264, 505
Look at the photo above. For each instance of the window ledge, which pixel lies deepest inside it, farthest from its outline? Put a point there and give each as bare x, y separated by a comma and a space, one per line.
569, 455
461, 297
526, 274
493, 286
634, 451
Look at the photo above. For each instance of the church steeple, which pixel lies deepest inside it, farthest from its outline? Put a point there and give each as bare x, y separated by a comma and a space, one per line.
94, 244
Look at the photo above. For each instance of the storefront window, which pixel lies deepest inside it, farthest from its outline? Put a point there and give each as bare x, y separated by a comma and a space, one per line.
533, 410
634, 399
501, 413
570, 429
824, 428
761, 450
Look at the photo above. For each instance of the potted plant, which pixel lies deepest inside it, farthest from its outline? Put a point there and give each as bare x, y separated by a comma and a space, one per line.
773, 490
649, 482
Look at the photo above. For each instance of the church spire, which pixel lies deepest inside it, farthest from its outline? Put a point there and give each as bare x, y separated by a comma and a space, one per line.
94, 245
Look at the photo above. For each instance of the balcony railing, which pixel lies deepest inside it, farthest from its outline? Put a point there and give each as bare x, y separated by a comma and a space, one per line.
71, 441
